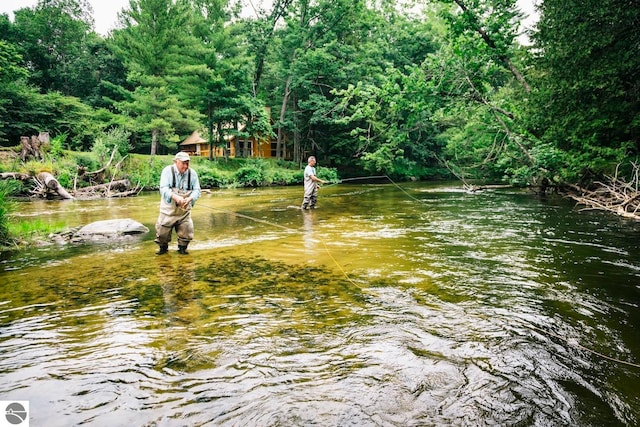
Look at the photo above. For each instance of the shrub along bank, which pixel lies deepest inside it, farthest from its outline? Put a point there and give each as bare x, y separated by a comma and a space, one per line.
77, 169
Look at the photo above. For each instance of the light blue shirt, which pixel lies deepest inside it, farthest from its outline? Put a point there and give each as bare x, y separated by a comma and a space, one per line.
166, 183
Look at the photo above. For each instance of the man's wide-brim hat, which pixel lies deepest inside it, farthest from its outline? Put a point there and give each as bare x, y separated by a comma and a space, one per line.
182, 156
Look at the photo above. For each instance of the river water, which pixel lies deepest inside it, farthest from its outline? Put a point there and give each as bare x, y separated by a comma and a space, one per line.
389, 305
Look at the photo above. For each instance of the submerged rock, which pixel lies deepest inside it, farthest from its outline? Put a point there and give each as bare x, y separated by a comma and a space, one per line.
110, 230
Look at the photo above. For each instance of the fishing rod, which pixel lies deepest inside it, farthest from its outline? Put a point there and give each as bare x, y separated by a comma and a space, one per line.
346, 275
376, 177
359, 178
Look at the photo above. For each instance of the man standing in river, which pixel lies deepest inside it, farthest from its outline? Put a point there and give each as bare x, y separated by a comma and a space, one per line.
179, 190
311, 184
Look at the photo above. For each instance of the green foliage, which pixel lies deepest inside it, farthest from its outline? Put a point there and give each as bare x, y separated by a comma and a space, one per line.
280, 176
145, 171
88, 161
549, 158
106, 142
381, 160
68, 115
57, 146
7, 188
157, 46
53, 37
33, 167
10, 70
393, 123
586, 68
362, 85
324, 173
65, 178
254, 174
211, 178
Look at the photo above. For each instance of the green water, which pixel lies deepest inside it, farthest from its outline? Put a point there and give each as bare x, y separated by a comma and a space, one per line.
418, 305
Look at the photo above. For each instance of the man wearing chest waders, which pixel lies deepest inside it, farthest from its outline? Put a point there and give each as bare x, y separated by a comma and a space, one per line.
179, 190
311, 184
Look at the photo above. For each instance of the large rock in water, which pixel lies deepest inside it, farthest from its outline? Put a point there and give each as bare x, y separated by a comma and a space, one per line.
111, 230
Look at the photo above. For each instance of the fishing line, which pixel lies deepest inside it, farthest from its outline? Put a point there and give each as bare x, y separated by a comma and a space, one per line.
355, 179
346, 275
566, 340
575, 344
324, 244
376, 177
250, 217
404, 191
548, 333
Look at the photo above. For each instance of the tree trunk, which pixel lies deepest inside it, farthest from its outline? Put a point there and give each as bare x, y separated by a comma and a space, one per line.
221, 142
298, 154
154, 142
210, 129
279, 9
283, 110
491, 43
236, 142
48, 182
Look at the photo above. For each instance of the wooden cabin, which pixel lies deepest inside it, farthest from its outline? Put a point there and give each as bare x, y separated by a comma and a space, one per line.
234, 146
196, 145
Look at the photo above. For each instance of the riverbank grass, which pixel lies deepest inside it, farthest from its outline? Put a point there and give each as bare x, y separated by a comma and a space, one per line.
34, 229
71, 169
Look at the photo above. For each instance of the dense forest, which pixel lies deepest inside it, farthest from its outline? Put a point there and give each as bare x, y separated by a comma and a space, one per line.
428, 90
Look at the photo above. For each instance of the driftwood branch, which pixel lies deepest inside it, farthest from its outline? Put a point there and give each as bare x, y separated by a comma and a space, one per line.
476, 188
104, 168
122, 184
45, 185
613, 194
117, 188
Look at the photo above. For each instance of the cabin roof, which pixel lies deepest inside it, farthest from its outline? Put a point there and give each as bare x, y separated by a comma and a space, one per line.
194, 139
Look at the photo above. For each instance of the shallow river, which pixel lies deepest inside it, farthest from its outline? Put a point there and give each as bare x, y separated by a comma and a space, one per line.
411, 305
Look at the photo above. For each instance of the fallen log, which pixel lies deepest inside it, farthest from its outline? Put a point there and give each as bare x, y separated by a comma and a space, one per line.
119, 185
475, 188
133, 192
47, 182
119, 188
15, 175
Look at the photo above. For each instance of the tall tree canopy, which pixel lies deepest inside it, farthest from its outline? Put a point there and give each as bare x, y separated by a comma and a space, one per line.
54, 40
366, 86
587, 69
48, 51
159, 49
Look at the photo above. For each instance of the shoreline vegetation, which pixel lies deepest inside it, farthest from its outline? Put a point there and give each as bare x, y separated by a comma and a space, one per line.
446, 91
78, 172
97, 174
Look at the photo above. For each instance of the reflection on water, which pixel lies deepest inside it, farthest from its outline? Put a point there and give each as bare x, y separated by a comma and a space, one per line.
374, 310
310, 241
